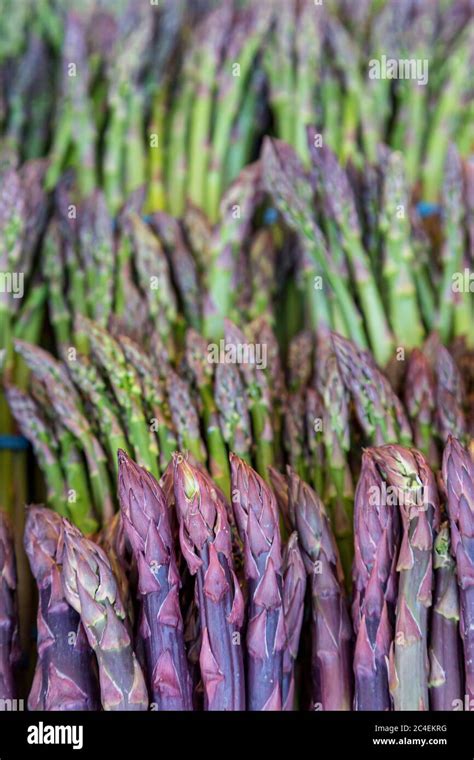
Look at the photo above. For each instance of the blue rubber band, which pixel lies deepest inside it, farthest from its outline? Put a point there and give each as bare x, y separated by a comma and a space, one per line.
14, 442
425, 208
270, 215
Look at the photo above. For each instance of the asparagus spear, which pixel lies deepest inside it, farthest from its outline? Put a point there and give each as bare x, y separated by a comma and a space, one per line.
154, 276
228, 237
125, 384
398, 255
153, 395
378, 409
376, 534
458, 477
336, 435
97, 251
184, 415
232, 406
211, 37
54, 275
257, 520
294, 587
147, 527
279, 485
34, 426
124, 567
338, 193
455, 306
315, 413
183, 267
95, 392
420, 402
65, 676
91, 589
450, 418
286, 181
414, 488
259, 399
197, 358
9, 644
247, 34
206, 546
331, 634
446, 682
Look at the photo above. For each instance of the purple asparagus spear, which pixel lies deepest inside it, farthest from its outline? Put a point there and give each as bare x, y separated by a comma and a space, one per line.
66, 671
9, 646
257, 520
206, 545
458, 476
414, 491
331, 625
376, 537
147, 527
294, 587
446, 670
91, 589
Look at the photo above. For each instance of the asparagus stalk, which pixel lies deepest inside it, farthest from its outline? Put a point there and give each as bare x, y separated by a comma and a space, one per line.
336, 436
331, 664
154, 276
446, 682
339, 196
376, 534
294, 587
398, 255
9, 644
147, 527
257, 520
183, 267
458, 477
420, 402
184, 416
455, 306
228, 238
279, 485
197, 358
34, 426
414, 488
95, 392
450, 418
378, 409
206, 545
124, 567
154, 397
65, 675
212, 35
97, 251
285, 180
259, 398
125, 384
232, 406
247, 36
91, 589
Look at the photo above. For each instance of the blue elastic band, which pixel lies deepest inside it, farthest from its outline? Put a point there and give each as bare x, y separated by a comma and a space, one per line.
270, 215
425, 208
14, 442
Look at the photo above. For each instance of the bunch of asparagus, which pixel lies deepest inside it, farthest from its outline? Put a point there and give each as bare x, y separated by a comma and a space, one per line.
177, 96
114, 621
236, 329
